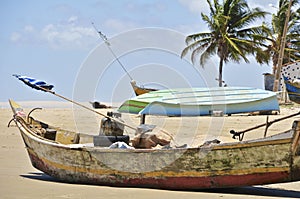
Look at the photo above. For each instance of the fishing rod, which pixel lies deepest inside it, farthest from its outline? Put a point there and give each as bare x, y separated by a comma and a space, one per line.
83, 106
43, 86
104, 38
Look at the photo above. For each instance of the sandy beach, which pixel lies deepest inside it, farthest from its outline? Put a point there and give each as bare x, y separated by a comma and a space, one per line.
18, 179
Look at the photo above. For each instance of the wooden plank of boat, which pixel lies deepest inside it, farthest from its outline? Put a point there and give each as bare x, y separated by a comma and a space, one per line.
263, 161
201, 101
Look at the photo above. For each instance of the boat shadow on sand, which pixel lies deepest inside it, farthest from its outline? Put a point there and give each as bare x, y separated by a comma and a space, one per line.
40, 176
249, 190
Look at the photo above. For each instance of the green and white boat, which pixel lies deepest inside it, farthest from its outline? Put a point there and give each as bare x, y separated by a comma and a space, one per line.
201, 101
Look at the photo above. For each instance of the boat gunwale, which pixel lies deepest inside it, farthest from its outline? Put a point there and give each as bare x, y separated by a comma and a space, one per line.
292, 84
223, 146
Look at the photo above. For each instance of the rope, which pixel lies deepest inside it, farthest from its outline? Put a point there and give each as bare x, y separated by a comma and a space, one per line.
104, 38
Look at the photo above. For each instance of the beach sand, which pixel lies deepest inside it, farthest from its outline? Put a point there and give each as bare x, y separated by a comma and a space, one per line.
18, 179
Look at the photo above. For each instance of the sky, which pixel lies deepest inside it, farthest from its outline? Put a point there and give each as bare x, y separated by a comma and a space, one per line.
56, 42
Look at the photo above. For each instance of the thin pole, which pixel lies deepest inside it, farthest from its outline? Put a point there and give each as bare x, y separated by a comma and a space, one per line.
104, 38
268, 124
282, 46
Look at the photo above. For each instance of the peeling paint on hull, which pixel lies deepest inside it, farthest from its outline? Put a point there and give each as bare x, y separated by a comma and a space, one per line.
269, 160
231, 165
175, 183
189, 177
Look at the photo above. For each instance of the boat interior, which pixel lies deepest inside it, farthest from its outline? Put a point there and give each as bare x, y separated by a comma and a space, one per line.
61, 136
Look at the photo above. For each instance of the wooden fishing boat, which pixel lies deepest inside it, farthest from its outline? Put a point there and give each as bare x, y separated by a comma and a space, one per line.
293, 90
138, 90
70, 158
201, 101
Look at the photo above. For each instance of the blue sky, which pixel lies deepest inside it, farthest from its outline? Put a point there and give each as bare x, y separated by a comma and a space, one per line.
53, 40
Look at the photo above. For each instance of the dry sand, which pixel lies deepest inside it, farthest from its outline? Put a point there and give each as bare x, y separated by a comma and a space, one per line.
18, 179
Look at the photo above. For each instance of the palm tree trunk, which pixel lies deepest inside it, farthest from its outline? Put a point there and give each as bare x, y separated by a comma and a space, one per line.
282, 46
221, 72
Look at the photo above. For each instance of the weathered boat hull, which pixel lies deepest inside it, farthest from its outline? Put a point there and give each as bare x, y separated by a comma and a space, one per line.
202, 101
293, 91
263, 161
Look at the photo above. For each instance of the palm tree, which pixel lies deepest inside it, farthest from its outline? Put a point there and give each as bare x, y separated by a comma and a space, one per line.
230, 37
274, 35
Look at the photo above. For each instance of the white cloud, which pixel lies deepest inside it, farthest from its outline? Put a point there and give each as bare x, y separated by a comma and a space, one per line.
195, 6
49, 33
72, 19
15, 37
65, 35
28, 28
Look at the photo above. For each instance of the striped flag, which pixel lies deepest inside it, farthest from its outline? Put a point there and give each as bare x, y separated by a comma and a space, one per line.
34, 83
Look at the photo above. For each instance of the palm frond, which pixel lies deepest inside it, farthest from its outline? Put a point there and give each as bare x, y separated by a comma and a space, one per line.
195, 37
207, 20
196, 47
232, 38
232, 44
248, 18
207, 53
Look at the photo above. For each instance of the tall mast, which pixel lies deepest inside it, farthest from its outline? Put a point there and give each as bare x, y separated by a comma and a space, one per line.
282, 46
